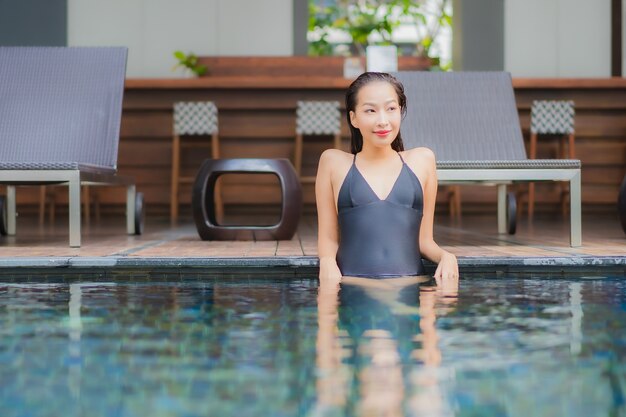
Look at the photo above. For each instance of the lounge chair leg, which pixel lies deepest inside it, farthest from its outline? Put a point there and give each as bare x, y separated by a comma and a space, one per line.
502, 229
131, 192
11, 210
74, 203
575, 211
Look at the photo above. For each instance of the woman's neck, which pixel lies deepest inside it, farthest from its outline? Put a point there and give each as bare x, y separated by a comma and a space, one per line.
373, 153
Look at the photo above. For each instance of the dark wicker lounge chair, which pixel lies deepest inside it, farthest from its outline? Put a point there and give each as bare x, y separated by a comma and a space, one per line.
60, 112
470, 121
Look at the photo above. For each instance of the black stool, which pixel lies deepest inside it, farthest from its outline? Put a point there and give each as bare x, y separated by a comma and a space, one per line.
203, 204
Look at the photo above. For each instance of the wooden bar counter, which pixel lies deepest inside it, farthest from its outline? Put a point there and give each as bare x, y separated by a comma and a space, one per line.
257, 119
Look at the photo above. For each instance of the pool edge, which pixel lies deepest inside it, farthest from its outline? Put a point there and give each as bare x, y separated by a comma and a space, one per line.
294, 265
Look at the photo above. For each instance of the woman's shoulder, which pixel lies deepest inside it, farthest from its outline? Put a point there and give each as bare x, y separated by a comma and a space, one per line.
419, 156
332, 157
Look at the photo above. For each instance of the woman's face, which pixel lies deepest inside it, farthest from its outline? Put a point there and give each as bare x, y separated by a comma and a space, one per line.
377, 114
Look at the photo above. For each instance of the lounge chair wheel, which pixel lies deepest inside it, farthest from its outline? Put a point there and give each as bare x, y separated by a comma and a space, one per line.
3, 216
621, 204
511, 213
140, 214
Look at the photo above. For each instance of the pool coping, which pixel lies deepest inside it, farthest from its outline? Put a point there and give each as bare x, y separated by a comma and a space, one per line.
296, 265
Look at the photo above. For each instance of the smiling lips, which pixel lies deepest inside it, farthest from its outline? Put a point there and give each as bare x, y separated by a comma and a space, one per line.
382, 133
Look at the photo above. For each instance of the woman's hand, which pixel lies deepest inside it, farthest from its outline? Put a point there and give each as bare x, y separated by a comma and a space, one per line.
447, 273
329, 272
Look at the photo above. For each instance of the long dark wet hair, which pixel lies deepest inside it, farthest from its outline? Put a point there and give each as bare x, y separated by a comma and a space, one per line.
351, 97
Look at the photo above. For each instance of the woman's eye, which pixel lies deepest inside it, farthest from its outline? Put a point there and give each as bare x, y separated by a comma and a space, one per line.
392, 108
369, 111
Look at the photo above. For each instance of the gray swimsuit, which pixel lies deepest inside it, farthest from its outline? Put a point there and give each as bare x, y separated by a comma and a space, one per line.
379, 238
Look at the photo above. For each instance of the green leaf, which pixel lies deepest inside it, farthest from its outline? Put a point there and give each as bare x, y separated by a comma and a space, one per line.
200, 69
421, 17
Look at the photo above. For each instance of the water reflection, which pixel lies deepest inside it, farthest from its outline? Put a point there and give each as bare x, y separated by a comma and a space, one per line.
576, 308
377, 347
74, 344
504, 347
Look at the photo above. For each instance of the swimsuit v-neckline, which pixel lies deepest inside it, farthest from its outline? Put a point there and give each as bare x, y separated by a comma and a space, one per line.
393, 187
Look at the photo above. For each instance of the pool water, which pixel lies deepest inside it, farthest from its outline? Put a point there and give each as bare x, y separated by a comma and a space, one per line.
276, 347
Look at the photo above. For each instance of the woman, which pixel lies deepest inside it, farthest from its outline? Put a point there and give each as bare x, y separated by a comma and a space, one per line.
376, 205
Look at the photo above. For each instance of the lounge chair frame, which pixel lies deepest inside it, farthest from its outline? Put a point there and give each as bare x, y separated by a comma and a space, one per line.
502, 177
59, 124
73, 178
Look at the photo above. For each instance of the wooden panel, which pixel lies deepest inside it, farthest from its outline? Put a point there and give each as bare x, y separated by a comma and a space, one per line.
154, 153
604, 175
583, 99
601, 194
255, 82
331, 66
607, 123
247, 123
555, 84
228, 99
255, 123
152, 124
610, 151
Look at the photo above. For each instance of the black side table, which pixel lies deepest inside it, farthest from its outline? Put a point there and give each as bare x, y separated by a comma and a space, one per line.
203, 204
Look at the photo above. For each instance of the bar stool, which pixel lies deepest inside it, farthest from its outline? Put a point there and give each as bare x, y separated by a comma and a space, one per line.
193, 119
315, 118
551, 117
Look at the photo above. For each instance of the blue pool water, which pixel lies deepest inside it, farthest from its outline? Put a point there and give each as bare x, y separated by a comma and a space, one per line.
276, 347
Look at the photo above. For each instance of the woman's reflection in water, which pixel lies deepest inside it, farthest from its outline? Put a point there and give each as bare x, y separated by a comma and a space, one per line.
377, 347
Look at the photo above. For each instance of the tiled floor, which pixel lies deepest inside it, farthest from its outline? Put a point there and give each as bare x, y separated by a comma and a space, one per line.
472, 236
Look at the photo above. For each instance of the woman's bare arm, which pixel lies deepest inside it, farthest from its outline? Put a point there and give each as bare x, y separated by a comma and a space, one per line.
327, 226
447, 264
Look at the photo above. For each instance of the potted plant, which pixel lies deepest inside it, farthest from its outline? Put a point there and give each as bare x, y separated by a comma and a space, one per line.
357, 18
189, 63
428, 18
365, 22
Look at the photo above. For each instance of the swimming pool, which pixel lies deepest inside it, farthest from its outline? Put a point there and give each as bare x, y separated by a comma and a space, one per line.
499, 346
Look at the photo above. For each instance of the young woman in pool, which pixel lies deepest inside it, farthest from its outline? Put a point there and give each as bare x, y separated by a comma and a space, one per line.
376, 204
